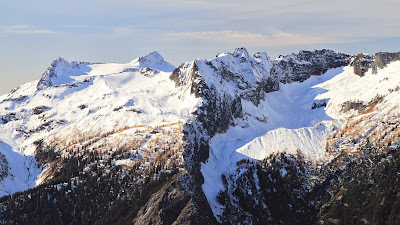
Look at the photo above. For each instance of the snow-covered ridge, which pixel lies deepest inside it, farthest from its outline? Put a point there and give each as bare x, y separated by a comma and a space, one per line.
309, 141
62, 72
242, 106
71, 95
114, 103
234, 74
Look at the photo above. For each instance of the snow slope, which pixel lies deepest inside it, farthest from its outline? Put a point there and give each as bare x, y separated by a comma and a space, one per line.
22, 171
82, 99
307, 140
349, 87
289, 115
293, 125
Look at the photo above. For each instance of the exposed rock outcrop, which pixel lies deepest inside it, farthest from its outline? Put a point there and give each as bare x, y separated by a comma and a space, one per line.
299, 67
363, 62
3, 167
177, 203
382, 59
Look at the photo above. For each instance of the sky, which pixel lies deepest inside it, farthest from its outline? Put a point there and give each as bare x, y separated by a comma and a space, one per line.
34, 33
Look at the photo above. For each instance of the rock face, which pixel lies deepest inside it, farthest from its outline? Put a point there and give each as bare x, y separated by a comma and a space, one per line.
363, 63
176, 203
3, 167
299, 67
382, 59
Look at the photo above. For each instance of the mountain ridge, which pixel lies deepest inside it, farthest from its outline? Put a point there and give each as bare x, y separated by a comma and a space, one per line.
191, 122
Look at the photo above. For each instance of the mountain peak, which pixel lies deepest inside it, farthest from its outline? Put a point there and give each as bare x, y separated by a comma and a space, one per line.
60, 72
153, 57
153, 60
241, 52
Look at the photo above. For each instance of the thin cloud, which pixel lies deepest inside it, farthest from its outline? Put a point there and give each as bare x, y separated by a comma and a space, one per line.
26, 29
119, 32
253, 39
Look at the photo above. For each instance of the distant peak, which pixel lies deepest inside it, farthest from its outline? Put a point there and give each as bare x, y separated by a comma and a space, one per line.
238, 53
153, 60
57, 61
241, 52
153, 57
155, 53
60, 72
262, 56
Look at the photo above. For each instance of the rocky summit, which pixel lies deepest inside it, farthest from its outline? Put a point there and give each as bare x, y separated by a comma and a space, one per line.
307, 138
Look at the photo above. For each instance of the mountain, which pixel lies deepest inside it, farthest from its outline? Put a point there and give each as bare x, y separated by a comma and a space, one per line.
238, 139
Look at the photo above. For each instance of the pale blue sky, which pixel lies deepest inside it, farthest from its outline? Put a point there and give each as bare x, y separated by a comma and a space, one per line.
33, 33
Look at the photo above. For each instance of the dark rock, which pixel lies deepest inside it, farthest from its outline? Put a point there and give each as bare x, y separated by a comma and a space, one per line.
3, 167
40, 109
236, 108
382, 59
271, 84
318, 104
177, 203
299, 67
360, 106
9, 117
353, 105
16, 99
83, 106
361, 64
148, 72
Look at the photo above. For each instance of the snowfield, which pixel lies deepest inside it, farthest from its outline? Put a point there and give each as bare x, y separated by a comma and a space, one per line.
83, 99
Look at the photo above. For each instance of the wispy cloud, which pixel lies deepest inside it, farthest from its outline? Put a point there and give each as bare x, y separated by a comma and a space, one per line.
26, 29
278, 38
120, 32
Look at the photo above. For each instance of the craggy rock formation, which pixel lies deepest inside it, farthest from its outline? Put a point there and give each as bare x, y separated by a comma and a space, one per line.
3, 167
299, 67
362, 63
58, 70
382, 59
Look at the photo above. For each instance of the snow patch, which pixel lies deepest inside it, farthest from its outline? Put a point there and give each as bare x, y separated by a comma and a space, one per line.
22, 171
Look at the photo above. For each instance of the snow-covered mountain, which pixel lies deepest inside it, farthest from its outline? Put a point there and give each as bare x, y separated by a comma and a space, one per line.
208, 139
